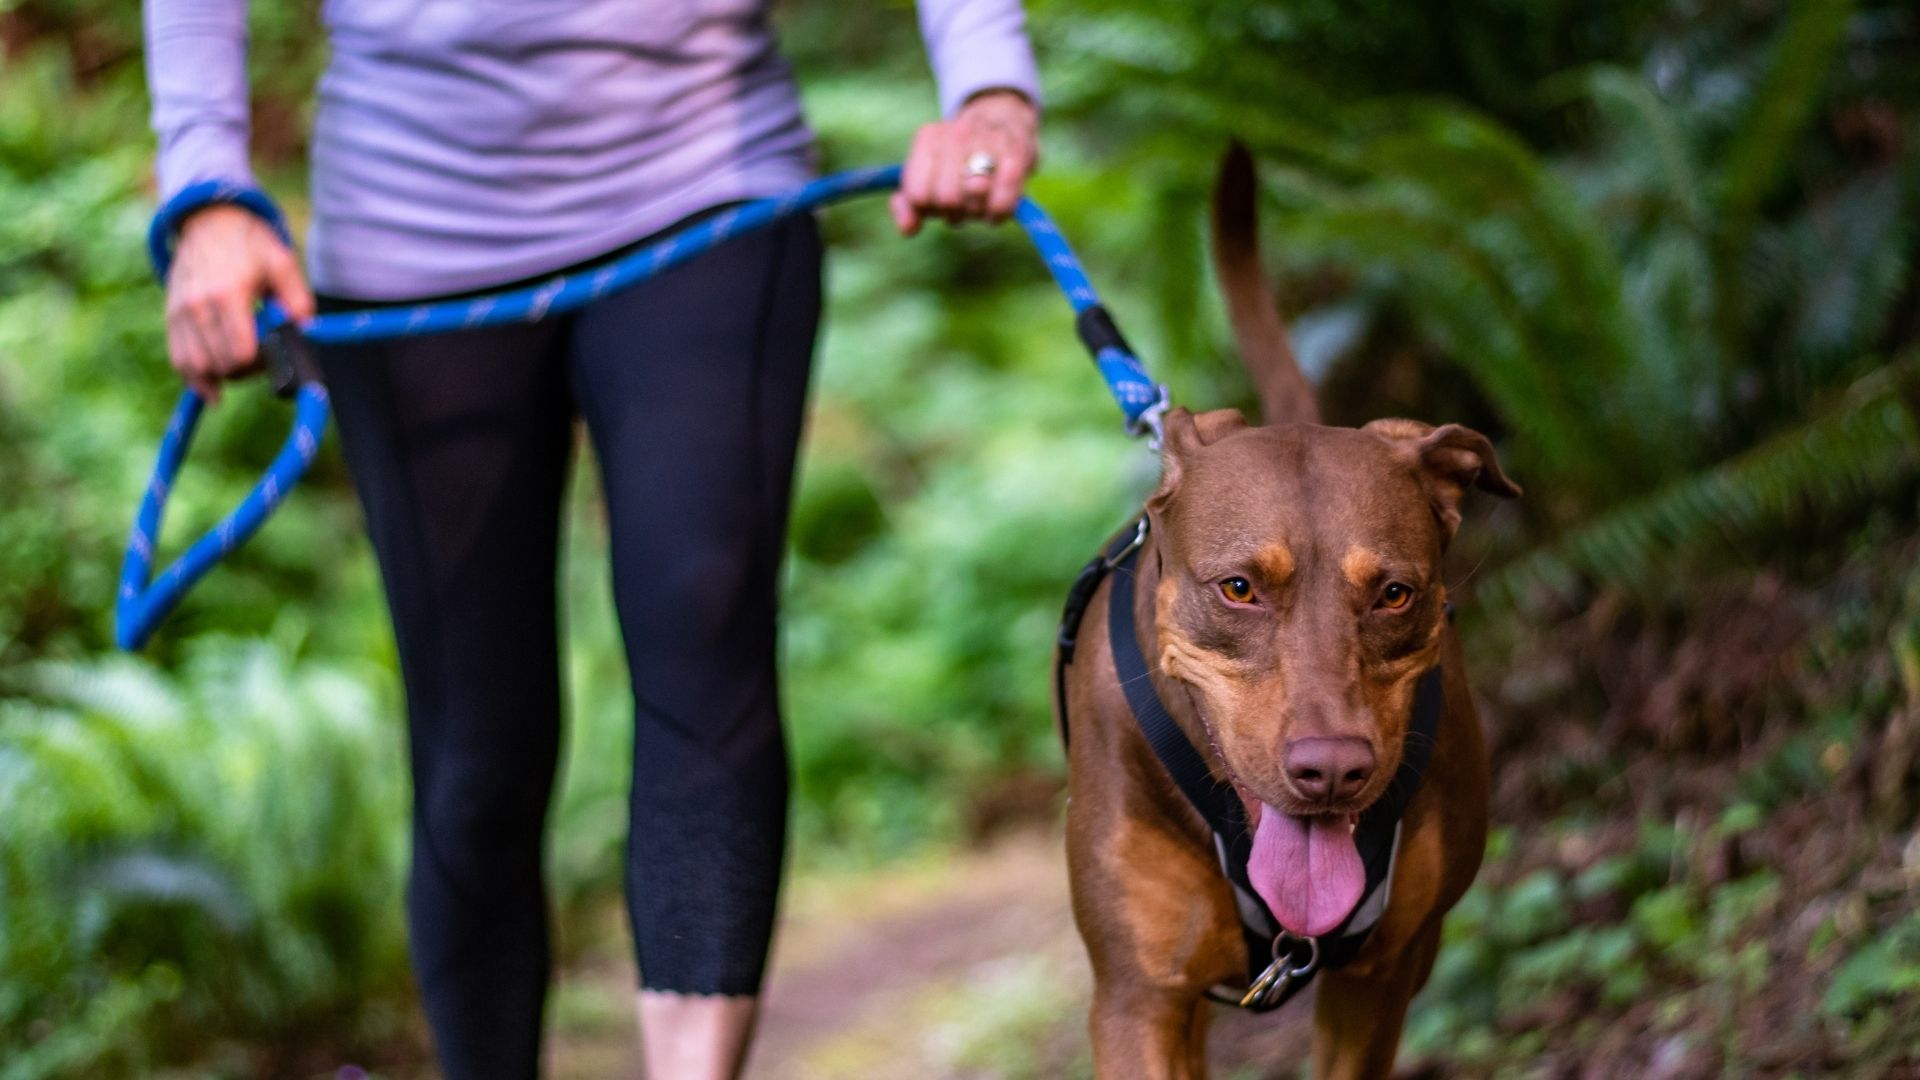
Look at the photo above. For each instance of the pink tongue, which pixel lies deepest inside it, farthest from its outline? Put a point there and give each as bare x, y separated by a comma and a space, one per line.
1306, 869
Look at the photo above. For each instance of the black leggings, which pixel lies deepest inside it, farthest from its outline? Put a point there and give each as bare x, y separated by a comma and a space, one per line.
692, 386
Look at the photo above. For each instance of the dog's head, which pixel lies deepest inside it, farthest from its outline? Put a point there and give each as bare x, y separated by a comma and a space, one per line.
1300, 601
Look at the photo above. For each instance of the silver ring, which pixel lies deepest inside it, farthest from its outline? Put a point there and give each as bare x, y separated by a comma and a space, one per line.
981, 163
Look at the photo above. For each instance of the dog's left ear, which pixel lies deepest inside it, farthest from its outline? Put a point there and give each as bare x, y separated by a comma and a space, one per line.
1184, 432
1449, 459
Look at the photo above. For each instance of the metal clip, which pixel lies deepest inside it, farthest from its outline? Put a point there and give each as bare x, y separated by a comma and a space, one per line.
1150, 421
1133, 545
1271, 985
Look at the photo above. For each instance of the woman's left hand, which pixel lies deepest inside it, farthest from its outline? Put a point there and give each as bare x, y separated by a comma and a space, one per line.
973, 166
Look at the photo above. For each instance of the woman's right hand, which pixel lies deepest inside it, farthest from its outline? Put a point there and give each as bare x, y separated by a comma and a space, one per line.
225, 261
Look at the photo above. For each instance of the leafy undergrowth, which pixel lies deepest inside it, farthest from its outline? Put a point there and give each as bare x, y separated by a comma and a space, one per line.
1717, 870
201, 868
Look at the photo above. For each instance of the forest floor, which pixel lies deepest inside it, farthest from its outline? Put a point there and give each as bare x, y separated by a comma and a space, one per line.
964, 965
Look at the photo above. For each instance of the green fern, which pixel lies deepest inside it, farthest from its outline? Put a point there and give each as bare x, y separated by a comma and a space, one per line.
220, 855
1864, 447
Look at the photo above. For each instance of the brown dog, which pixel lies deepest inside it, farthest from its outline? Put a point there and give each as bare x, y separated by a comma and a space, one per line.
1289, 604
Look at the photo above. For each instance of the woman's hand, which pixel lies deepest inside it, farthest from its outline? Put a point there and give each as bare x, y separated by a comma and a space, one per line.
225, 261
972, 166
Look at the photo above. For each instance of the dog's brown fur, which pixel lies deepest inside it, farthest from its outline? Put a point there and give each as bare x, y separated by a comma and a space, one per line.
1319, 520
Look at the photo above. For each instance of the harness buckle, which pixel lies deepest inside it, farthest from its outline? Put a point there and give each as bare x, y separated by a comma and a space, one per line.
1271, 985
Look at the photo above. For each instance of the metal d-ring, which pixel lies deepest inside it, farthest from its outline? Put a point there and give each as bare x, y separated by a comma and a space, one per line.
1273, 982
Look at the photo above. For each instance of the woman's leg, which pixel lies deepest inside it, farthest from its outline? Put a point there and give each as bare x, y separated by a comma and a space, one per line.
459, 446
693, 386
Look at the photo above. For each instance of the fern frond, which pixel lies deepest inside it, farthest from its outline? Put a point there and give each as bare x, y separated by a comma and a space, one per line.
1863, 447
1629, 102
1761, 149
1783, 104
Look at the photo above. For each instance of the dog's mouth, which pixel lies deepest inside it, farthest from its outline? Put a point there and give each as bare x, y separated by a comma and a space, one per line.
1306, 867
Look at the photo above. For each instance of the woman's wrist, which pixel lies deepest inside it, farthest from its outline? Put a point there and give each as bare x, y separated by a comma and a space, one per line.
170, 220
1003, 104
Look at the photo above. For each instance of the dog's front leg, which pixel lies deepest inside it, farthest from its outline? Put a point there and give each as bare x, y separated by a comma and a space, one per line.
1357, 1018
1148, 1034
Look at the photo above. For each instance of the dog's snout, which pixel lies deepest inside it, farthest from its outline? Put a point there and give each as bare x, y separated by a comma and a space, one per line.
1329, 769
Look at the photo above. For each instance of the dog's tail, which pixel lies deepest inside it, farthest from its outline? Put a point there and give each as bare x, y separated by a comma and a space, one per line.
1285, 395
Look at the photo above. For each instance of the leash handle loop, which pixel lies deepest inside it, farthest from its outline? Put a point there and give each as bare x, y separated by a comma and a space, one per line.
174, 213
145, 600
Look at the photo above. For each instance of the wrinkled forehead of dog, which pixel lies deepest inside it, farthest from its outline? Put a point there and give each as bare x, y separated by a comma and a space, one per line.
1394, 486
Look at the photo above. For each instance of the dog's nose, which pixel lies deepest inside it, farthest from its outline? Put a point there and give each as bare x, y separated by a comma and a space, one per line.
1328, 769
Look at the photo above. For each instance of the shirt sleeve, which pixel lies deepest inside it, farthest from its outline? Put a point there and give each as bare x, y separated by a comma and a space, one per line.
977, 45
197, 78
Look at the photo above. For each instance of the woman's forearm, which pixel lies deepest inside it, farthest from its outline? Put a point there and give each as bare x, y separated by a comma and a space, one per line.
197, 78
977, 45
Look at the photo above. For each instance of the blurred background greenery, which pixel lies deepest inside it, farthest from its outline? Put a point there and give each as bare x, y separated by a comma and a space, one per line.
1665, 253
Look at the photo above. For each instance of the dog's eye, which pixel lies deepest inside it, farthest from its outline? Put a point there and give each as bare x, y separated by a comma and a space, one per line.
1237, 589
1396, 596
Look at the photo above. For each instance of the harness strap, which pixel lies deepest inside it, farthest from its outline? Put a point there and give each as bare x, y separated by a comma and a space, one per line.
1079, 595
1216, 801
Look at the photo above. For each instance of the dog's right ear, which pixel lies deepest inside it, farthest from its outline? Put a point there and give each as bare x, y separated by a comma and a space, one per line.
1449, 459
1182, 433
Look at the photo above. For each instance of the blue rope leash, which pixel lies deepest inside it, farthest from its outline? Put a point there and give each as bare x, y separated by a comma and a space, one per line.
145, 600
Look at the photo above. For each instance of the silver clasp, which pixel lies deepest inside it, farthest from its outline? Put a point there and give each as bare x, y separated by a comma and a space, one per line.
1271, 985
1133, 545
1150, 422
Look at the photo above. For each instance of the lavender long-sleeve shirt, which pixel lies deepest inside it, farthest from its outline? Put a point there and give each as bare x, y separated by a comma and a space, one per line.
464, 143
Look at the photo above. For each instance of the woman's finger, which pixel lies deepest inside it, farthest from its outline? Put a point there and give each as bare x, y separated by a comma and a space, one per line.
209, 344
287, 284
949, 172
916, 179
182, 352
975, 187
231, 326
190, 360
905, 217
1010, 179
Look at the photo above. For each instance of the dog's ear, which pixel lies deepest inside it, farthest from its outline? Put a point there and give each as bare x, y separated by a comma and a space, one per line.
1182, 433
1449, 459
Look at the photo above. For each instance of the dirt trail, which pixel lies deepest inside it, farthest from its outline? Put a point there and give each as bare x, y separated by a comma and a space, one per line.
964, 967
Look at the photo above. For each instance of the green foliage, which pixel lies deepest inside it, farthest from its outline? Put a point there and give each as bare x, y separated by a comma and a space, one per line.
1884, 968
1519, 958
212, 857
1865, 447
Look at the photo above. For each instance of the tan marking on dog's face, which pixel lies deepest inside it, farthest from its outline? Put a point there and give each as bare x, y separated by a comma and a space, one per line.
1208, 672
1275, 562
1360, 566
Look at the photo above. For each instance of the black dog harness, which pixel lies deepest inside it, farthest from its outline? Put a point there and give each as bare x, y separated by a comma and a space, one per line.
1279, 964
